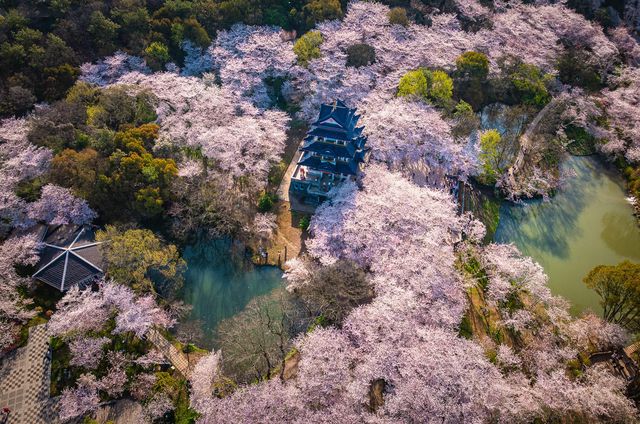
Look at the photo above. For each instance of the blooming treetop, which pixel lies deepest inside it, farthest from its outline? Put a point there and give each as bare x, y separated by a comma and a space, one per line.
16, 250
19, 161
59, 206
86, 351
623, 111
529, 32
246, 55
407, 336
413, 137
238, 137
111, 68
80, 311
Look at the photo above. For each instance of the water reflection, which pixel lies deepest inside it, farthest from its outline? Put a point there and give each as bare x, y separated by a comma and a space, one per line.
219, 285
587, 223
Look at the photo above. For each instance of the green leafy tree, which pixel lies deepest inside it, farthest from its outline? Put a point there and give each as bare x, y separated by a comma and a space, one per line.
575, 67
359, 55
116, 107
529, 84
307, 47
441, 88
134, 177
77, 170
317, 11
427, 85
619, 289
266, 202
466, 121
414, 84
398, 16
156, 55
473, 65
491, 156
103, 33
142, 261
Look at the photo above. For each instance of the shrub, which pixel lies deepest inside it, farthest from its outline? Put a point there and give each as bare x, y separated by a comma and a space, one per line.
473, 64
359, 55
398, 16
490, 158
304, 223
266, 201
308, 47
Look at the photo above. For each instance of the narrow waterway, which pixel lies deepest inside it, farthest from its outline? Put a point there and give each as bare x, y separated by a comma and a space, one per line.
218, 285
587, 223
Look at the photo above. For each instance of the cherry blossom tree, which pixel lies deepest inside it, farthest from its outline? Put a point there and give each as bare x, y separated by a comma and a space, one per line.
17, 250
80, 311
247, 55
413, 137
621, 105
19, 161
86, 351
59, 206
109, 69
202, 378
158, 406
237, 137
80, 400
197, 60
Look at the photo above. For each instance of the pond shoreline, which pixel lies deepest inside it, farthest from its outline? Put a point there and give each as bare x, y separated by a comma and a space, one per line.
588, 222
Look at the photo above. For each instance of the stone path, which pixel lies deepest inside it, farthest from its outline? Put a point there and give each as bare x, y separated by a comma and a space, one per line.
25, 379
177, 358
283, 188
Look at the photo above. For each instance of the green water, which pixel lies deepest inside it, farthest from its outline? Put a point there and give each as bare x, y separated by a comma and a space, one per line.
218, 285
587, 223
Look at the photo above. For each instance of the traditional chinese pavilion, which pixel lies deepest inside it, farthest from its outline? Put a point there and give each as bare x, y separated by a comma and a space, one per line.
70, 257
332, 152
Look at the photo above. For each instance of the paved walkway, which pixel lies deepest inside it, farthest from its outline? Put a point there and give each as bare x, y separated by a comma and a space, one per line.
177, 358
25, 379
283, 188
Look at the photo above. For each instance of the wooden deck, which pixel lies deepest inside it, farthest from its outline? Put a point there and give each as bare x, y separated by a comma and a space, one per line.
178, 359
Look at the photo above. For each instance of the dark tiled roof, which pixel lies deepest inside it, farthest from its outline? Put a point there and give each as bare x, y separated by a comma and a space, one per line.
331, 149
70, 257
348, 168
337, 115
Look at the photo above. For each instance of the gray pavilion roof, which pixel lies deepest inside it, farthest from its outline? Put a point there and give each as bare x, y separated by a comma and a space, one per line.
70, 257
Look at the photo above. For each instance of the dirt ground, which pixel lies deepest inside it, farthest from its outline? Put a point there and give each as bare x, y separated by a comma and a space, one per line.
288, 240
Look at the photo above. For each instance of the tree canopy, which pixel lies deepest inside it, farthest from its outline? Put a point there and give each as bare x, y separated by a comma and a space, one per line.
619, 289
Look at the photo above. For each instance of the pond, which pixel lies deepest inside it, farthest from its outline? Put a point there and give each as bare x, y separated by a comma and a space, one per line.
587, 223
219, 284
